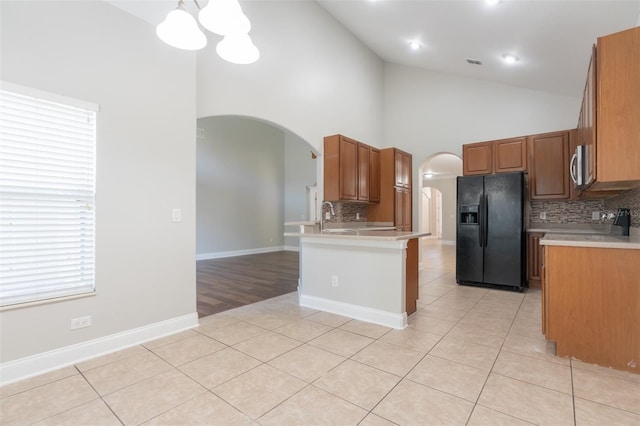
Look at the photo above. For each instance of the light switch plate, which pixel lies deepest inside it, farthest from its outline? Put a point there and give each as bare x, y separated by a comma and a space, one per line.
176, 215
595, 215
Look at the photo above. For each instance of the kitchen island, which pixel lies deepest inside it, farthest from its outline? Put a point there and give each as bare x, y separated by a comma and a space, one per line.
362, 274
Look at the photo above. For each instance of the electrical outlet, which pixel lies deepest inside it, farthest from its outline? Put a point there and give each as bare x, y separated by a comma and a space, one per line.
80, 322
357, 216
595, 215
327, 216
543, 215
334, 280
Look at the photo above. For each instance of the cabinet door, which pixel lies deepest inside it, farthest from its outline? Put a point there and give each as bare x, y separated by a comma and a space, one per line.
402, 209
374, 175
363, 172
348, 169
406, 170
477, 159
399, 210
534, 259
510, 155
617, 110
399, 168
587, 122
407, 210
549, 166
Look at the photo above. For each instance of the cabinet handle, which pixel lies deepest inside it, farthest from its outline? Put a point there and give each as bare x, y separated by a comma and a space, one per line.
572, 168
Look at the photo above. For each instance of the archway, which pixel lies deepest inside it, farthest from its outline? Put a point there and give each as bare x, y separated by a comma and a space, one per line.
252, 176
437, 202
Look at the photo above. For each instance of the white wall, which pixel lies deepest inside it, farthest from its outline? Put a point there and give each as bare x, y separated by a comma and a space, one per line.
428, 112
145, 269
240, 186
313, 78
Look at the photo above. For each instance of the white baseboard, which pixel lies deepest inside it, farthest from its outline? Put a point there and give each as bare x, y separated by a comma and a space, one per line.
292, 248
34, 365
448, 242
376, 316
221, 254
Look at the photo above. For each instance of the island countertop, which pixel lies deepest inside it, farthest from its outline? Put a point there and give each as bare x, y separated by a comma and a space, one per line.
360, 234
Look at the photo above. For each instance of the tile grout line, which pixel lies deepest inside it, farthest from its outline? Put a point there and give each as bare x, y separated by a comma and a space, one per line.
99, 395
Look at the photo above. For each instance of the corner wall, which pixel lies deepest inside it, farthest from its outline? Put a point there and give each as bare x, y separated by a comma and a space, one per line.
145, 271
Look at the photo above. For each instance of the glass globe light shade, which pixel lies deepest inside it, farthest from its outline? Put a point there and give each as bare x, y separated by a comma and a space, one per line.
224, 17
238, 49
180, 30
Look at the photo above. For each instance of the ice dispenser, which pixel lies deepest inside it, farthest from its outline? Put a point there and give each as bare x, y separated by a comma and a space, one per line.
469, 215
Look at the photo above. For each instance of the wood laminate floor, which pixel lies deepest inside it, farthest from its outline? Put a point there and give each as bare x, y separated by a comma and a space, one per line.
231, 282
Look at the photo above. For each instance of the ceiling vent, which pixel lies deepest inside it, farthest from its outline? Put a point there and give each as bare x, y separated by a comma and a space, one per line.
473, 61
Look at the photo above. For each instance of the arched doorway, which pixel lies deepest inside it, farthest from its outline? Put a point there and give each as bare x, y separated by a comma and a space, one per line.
436, 209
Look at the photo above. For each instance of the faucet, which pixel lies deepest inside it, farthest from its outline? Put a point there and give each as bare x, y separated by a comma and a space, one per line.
333, 213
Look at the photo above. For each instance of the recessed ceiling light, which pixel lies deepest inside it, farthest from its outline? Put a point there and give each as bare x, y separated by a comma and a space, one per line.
415, 44
428, 175
492, 2
509, 58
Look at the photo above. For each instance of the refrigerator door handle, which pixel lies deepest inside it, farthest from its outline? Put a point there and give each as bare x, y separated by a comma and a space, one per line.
481, 221
485, 221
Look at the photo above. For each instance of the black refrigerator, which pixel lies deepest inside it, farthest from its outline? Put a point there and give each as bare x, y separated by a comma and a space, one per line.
490, 243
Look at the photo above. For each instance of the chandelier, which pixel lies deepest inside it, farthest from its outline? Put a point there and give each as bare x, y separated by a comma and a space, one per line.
223, 17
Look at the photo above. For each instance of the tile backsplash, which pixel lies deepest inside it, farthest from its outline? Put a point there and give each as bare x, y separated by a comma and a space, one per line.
346, 212
580, 211
629, 199
564, 211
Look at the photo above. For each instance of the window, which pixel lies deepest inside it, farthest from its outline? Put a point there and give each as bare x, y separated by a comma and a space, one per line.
47, 195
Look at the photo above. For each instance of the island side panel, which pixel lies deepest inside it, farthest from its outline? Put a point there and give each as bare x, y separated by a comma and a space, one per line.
370, 278
593, 304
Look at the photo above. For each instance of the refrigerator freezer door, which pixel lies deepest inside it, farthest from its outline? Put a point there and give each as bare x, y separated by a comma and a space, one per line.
469, 257
503, 251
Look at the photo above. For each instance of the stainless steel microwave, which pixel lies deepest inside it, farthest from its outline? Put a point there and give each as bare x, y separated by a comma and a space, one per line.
578, 167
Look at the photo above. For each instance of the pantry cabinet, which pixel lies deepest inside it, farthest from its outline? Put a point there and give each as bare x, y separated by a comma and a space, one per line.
395, 190
608, 124
351, 170
501, 156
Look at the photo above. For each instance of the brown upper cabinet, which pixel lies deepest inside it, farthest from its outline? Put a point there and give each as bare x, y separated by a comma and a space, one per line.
395, 190
351, 170
549, 165
403, 169
374, 175
501, 156
609, 121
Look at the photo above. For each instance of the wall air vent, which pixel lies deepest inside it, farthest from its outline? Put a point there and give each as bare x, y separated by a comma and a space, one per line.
473, 61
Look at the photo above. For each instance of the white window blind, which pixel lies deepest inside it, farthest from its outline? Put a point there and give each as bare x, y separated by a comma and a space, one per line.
47, 196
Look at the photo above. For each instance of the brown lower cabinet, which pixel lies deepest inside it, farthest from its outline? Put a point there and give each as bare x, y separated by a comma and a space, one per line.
412, 276
534, 259
591, 304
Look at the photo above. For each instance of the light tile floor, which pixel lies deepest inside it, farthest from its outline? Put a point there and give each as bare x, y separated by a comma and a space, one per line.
469, 356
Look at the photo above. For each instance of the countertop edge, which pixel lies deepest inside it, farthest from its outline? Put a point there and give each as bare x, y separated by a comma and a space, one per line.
366, 235
585, 240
